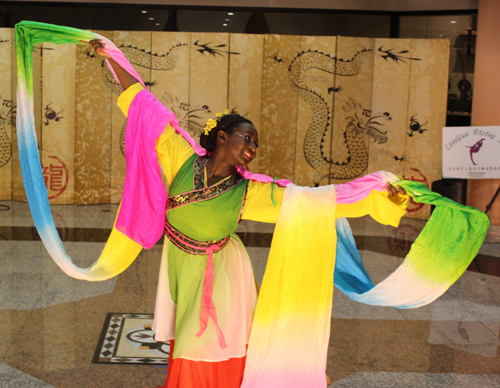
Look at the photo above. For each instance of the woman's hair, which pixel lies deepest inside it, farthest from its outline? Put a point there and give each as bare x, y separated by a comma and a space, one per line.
226, 123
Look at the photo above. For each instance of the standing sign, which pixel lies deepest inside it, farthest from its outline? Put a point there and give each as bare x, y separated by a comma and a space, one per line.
471, 152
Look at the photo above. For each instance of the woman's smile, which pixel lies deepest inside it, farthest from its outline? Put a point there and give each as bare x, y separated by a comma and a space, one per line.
249, 154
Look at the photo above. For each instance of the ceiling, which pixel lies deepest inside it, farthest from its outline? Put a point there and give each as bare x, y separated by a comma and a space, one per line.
364, 5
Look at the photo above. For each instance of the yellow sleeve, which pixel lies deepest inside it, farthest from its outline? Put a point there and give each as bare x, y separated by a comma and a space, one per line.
127, 96
382, 208
171, 148
172, 151
259, 205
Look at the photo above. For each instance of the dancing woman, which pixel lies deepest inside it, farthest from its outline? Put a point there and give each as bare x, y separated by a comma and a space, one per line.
206, 304
207, 291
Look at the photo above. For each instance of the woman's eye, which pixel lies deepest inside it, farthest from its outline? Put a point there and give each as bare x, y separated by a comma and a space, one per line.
247, 138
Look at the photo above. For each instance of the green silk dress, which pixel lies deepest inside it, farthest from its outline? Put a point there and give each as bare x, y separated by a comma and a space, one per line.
207, 214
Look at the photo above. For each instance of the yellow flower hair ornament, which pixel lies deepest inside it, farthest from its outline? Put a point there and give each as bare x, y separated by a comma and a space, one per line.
212, 123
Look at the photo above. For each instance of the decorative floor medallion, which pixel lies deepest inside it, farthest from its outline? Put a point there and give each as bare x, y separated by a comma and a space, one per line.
128, 339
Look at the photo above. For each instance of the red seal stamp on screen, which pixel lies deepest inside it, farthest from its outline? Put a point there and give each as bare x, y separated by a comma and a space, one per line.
417, 176
55, 176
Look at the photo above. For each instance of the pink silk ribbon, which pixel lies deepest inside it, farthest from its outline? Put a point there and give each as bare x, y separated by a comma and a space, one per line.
360, 188
208, 309
261, 177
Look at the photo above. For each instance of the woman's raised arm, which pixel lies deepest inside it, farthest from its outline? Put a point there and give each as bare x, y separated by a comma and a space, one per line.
124, 77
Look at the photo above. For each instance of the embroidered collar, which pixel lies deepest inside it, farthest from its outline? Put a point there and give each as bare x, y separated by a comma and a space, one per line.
199, 174
200, 192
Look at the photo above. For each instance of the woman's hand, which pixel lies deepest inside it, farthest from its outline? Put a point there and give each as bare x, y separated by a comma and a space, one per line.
393, 191
98, 46
126, 80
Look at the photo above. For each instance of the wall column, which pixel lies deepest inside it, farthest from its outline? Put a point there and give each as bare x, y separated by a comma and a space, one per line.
486, 99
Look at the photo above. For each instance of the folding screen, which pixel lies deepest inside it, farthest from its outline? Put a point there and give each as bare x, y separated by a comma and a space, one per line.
6, 108
328, 109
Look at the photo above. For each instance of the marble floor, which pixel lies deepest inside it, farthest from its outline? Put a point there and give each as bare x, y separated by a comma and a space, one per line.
50, 324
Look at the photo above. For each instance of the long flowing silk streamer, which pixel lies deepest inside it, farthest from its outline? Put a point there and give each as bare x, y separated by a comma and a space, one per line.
291, 327
439, 256
144, 196
290, 331
119, 251
141, 216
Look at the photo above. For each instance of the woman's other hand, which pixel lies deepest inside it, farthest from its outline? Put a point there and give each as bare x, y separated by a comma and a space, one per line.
98, 46
393, 191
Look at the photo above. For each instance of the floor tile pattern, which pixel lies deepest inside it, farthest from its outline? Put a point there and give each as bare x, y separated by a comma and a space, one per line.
51, 324
128, 339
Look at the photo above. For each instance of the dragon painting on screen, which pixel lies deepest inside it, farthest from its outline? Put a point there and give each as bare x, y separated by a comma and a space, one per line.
359, 121
330, 108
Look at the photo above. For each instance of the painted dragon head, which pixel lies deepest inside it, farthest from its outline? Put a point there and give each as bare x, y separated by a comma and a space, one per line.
363, 121
192, 119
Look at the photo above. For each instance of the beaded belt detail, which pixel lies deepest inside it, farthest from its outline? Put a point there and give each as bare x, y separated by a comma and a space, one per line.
194, 247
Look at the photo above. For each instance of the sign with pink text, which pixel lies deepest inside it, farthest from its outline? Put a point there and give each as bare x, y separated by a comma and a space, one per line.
471, 152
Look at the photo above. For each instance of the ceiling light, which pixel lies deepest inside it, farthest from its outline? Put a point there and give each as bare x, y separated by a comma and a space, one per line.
157, 24
144, 11
226, 20
230, 13
453, 22
225, 24
151, 18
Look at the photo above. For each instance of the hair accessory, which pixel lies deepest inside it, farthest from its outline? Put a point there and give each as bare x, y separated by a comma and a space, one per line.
212, 123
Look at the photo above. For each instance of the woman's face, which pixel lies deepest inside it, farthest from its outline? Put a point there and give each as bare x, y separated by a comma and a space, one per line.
241, 145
